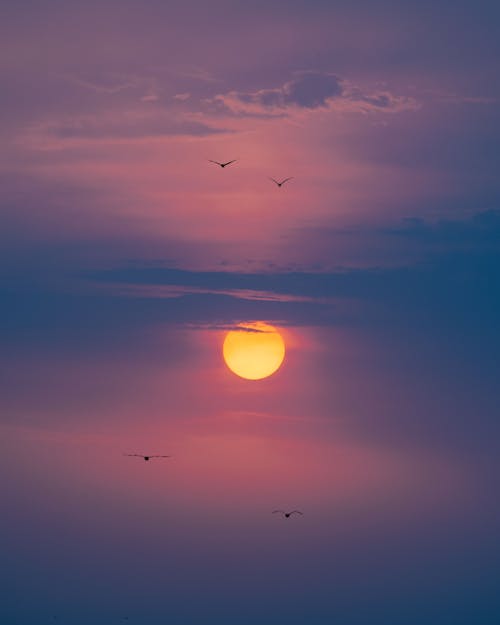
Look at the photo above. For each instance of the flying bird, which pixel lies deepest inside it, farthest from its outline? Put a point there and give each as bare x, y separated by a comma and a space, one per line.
146, 458
222, 164
287, 514
280, 184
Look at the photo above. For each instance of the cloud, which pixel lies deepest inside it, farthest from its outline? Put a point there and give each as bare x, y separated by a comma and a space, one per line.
456, 283
195, 73
355, 100
482, 230
150, 97
450, 97
116, 126
112, 83
313, 90
454, 289
308, 90
106, 83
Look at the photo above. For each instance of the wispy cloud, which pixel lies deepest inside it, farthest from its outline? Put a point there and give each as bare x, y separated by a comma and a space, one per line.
195, 72
451, 97
120, 125
111, 83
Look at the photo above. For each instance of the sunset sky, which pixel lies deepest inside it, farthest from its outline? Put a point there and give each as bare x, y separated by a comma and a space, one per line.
126, 257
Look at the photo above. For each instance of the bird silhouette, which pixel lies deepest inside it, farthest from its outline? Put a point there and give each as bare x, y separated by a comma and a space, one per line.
146, 458
287, 514
280, 184
222, 164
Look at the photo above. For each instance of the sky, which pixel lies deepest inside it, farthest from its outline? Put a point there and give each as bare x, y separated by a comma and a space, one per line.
126, 257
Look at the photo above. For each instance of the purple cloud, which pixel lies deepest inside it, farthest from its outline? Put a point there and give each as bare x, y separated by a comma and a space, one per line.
313, 90
119, 126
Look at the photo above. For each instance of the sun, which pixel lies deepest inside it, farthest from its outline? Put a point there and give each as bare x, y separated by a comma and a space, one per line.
255, 351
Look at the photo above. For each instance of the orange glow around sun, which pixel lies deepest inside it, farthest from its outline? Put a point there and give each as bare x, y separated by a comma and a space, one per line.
255, 351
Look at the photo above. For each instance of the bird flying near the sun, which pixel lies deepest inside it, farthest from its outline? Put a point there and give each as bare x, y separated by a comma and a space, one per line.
287, 514
280, 184
222, 164
146, 458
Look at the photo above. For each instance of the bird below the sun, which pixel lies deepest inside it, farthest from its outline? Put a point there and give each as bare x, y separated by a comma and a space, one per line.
280, 184
146, 458
287, 514
222, 164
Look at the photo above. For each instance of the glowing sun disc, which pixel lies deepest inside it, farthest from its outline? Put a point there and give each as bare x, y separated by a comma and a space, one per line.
254, 352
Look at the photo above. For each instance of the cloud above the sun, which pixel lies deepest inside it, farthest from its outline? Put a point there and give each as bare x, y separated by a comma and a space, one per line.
314, 90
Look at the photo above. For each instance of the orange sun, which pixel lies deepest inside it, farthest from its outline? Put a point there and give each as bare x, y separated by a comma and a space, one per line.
254, 352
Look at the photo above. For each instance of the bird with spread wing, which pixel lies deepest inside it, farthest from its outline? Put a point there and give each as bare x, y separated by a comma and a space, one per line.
146, 458
222, 164
287, 514
280, 184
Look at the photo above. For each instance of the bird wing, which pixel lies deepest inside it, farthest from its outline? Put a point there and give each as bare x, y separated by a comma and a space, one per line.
286, 180
275, 181
216, 162
160, 456
296, 512
229, 162
281, 511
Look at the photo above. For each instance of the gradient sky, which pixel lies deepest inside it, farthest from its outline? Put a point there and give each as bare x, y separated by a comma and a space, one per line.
125, 257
